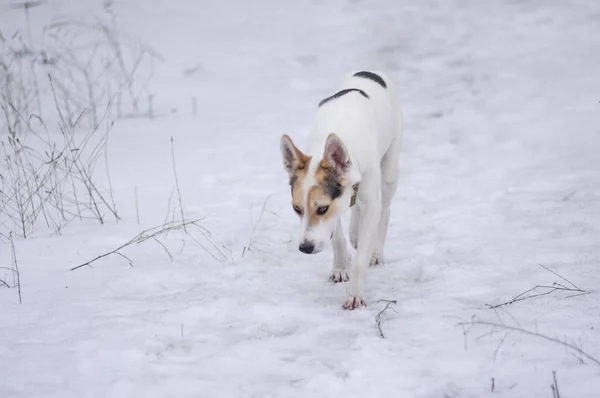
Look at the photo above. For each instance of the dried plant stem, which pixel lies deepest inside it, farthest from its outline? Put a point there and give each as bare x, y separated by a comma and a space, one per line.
137, 206
378, 316
177, 182
110, 189
549, 290
254, 236
554, 386
529, 333
139, 238
153, 233
16, 273
26, 6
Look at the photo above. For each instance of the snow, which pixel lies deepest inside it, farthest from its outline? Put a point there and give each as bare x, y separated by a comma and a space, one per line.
500, 173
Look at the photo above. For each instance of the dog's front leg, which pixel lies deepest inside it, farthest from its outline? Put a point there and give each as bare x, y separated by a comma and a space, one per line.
341, 257
369, 199
354, 227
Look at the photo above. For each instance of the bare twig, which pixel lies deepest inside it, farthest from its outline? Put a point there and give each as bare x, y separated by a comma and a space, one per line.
125, 257
177, 181
549, 290
164, 247
137, 206
169, 207
378, 316
139, 238
554, 386
110, 189
254, 236
153, 233
560, 276
16, 272
26, 6
568, 196
500, 344
477, 322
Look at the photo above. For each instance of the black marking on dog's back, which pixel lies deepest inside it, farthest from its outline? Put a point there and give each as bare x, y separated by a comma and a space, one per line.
371, 76
342, 93
332, 187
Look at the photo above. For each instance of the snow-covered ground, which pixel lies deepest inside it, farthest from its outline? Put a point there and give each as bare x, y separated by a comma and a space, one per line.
501, 173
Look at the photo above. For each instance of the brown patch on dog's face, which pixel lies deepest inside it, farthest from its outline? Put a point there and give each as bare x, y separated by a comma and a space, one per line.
317, 198
297, 183
323, 197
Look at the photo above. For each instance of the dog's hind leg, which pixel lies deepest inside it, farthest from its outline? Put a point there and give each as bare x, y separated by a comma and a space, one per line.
389, 184
341, 257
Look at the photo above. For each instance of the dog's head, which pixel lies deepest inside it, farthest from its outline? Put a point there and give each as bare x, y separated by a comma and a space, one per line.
321, 190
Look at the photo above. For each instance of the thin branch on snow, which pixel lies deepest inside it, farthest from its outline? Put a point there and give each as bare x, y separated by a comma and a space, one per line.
137, 206
125, 257
560, 276
169, 207
152, 233
554, 386
255, 233
467, 326
164, 248
177, 181
378, 317
15, 263
3, 281
500, 344
529, 294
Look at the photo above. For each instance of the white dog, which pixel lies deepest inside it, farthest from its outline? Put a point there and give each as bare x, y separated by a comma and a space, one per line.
351, 162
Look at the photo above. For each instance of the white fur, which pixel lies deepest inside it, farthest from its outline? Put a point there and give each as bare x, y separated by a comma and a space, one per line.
371, 130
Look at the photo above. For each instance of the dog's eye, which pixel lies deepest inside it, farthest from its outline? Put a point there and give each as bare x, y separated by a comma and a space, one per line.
322, 210
297, 210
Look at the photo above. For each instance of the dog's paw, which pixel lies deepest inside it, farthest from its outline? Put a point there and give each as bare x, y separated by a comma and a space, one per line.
338, 275
354, 302
376, 259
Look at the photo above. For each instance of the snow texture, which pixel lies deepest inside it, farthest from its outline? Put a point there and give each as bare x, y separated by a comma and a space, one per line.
500, 173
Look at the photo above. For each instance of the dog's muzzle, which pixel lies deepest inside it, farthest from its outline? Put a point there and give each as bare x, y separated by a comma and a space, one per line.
307, 247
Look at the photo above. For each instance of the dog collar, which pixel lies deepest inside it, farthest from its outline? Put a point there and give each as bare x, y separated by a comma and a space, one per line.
353, 199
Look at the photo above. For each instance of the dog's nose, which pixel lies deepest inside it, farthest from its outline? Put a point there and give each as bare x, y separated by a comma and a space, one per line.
306, 247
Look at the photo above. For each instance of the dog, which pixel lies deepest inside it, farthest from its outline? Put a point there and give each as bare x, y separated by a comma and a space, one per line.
351, 162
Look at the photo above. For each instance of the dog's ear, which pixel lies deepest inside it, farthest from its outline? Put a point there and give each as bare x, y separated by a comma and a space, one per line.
293, 158
335, 157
